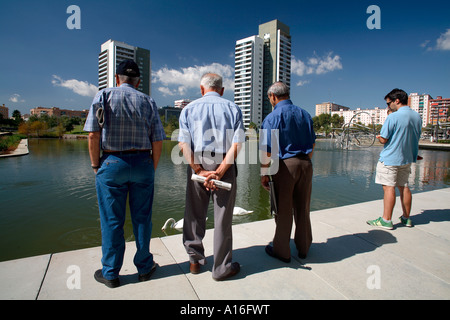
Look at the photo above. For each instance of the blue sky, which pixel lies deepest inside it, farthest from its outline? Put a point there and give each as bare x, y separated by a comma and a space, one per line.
335, 56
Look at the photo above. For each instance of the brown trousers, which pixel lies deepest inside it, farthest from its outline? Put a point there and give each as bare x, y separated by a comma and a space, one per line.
293, 185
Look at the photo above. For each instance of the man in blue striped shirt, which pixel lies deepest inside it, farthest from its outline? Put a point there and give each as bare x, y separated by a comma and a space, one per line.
125, 124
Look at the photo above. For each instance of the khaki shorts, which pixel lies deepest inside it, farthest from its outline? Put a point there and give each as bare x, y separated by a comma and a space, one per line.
394, 176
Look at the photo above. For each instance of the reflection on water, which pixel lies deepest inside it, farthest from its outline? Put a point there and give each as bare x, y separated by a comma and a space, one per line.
48, 201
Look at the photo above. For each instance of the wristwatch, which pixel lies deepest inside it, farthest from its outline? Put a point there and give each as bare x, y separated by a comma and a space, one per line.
95, 167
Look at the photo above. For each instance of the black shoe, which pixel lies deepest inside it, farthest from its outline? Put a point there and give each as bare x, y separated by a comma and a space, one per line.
146, 276
301, 256
98, 275
269, 251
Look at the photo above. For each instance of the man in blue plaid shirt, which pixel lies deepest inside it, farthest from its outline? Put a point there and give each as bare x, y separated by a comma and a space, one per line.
124, 124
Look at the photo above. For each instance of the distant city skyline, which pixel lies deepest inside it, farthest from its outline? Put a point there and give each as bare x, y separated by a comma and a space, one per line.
335, 56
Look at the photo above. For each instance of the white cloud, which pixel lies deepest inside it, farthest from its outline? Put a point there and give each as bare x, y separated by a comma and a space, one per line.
83, 88
425, 43
166, 91
178, 82
443, 43
316, 65
298, 67
328, 64
16, 98
302, 83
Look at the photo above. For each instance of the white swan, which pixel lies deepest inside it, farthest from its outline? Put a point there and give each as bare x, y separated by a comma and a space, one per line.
238, 211
171, 223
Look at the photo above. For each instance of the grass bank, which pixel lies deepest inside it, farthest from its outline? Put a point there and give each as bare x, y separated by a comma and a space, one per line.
10, 142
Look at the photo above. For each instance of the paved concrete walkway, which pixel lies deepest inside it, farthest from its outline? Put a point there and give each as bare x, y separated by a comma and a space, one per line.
348, 260
21, 150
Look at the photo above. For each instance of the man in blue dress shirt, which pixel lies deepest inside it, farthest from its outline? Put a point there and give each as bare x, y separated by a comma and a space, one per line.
400, 135
288, 138
211, 133
124, 123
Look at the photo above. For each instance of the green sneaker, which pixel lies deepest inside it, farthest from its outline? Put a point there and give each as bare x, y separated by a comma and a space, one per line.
380, 223
406, 222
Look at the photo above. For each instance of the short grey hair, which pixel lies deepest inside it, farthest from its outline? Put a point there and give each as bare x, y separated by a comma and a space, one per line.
279, 89
211, 81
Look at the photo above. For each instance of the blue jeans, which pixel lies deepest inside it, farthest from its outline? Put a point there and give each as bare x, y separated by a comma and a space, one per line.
120, 176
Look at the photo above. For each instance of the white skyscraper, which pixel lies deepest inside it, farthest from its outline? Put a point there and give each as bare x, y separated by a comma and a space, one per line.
259, 62
248, 87
112, 54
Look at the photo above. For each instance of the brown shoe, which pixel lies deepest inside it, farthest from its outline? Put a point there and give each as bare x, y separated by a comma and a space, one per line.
194, 268
235, 268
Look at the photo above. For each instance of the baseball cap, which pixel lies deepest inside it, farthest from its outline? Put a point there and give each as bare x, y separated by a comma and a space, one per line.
128, 68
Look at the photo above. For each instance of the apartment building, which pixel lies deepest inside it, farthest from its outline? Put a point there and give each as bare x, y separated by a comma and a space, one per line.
57, 112
112, 54
421, 104
277, 57
439, 110
365, 116
261, 60
248, 83
4, 111
181, 103
328, 107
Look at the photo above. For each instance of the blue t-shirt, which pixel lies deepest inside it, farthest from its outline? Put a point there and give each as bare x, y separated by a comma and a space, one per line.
292, 129
402, 129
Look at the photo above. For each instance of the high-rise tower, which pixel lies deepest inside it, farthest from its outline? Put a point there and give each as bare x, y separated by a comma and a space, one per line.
260, 61
112, 54
277, 57
249, 79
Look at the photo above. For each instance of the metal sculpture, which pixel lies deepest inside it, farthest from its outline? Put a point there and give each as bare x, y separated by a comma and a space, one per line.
356, 134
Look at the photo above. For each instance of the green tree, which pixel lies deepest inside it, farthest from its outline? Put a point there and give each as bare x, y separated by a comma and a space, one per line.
324, 119
33, 118
38, 127
25, 128
67, 123
252, 125
17, 117
337, 121
316, 124
325, 122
